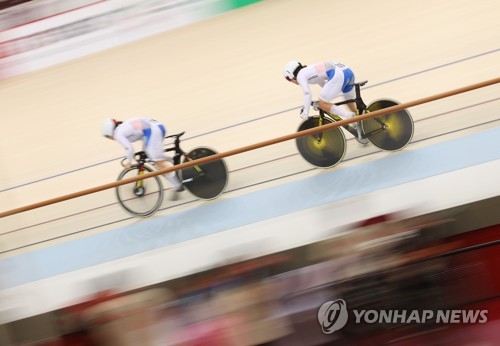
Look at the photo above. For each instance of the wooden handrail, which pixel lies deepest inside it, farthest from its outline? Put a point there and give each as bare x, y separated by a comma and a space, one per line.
251, 147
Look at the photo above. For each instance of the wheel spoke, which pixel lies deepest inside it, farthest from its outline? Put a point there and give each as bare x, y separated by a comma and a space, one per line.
139, 199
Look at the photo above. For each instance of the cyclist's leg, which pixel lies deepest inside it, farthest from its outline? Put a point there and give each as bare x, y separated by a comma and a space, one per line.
331, 90
154, 150
348, 91
171, 176
341, 83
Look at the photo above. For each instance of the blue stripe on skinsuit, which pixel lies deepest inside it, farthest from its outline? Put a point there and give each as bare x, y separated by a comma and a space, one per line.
147, 136
348, 80
163, 130
348, 83
330, 73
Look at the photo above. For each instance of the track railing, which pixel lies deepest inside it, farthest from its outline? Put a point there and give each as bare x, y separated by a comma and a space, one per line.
252, 147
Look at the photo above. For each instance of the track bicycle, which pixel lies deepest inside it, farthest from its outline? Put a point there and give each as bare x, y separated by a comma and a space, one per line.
144, 197
391, 132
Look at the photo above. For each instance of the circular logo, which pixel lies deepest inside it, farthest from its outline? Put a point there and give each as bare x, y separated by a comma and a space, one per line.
332, 315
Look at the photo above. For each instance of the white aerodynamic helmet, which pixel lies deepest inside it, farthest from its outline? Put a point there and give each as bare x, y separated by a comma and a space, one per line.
108, 127
290, 71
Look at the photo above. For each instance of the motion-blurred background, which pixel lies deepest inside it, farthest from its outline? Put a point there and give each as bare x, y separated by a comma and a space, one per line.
416, 229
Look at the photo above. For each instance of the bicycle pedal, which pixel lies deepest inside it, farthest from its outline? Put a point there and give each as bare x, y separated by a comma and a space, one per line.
363, 141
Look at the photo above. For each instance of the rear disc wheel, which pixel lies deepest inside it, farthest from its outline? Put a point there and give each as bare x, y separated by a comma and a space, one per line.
207, 180
392, 131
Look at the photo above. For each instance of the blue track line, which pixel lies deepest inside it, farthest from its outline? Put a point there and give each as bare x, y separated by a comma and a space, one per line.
333, 186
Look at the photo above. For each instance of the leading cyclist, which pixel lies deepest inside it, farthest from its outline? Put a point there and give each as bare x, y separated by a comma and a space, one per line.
334, 78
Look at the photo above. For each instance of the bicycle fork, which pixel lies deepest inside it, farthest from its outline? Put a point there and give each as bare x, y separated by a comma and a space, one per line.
139, 190
319, 135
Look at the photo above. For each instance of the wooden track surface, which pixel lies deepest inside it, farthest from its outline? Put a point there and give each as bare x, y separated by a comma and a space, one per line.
221, 80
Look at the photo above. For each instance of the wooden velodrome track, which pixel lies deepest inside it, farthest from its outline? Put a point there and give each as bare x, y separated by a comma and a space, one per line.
220, 81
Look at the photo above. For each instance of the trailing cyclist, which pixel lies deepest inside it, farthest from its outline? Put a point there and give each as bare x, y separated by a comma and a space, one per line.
151, 132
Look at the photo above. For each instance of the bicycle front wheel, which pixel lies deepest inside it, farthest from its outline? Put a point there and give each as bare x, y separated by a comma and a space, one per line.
392, 131
140, 198
323, 149
207, 180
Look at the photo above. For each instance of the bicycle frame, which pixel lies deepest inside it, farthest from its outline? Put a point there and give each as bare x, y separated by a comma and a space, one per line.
179, 153
141, 159
177, 148
361, 108
360, 105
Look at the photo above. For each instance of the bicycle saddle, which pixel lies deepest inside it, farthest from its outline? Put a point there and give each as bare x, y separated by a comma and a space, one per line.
177, 135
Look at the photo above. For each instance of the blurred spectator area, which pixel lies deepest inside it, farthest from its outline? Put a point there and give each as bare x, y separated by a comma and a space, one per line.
39, 24
18, 12
443, 260
5, 4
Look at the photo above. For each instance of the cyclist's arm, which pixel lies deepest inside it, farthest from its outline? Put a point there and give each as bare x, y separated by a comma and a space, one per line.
129, 148
304, 85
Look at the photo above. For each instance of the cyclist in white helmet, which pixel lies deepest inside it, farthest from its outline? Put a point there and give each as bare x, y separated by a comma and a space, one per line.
151, 132
335, 79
